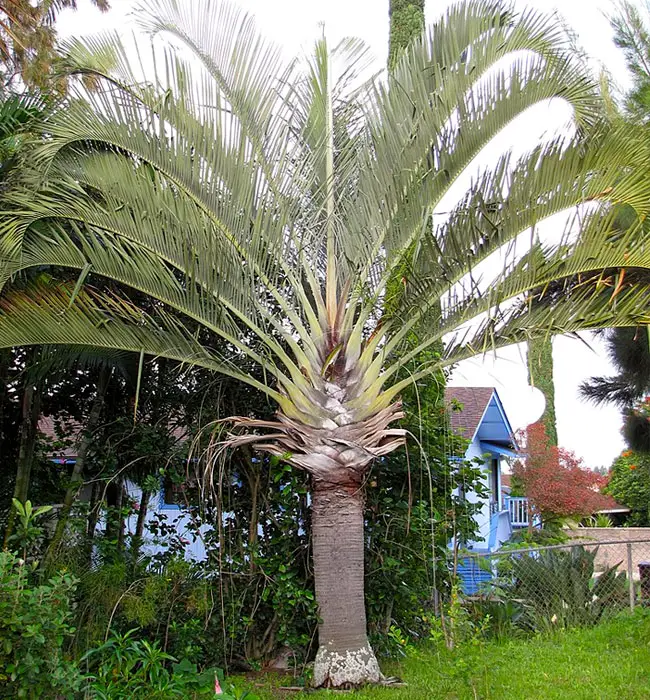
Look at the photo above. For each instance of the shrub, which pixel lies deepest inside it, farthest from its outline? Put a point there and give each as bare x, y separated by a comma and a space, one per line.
555, 480
34, 625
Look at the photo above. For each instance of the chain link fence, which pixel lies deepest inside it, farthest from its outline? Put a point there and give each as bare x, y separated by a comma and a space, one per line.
560, 585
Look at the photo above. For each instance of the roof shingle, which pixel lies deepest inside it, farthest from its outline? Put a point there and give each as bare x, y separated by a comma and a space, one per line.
474, 401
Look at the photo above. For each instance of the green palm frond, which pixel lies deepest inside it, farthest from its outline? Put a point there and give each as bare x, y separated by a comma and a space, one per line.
271, 204
104, 320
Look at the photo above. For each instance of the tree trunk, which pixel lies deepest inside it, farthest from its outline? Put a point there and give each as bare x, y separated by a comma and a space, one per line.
120, 518
5, 361
114, 532
93, 518
344, 657
76, 478
540, 375
138, 536
31, 409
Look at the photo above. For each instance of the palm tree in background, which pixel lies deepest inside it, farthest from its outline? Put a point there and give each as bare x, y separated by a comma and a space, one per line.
240, 191
28, 55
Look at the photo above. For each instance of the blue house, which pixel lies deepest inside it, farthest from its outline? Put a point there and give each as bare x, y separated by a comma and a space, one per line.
477, 414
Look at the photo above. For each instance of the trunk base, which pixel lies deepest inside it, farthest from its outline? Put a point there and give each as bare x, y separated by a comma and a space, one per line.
347, 669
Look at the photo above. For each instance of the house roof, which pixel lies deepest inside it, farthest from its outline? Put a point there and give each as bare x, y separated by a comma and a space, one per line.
474, 401
606, 504
73, 430
481, 417
47, 426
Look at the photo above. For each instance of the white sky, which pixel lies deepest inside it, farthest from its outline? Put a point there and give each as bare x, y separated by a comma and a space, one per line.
592, 432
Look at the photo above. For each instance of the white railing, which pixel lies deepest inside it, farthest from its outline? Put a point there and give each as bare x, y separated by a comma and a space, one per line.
518, 511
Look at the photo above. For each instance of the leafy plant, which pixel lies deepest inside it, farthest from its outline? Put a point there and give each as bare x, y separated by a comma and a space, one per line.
557, 588
629, 484
599, 520
498, 617
27, 533
34, 626
127, 667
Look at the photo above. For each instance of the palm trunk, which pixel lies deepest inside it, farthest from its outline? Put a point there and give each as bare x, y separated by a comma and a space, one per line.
344, 656
76, 478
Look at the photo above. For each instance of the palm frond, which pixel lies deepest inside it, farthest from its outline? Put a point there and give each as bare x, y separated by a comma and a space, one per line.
268, 204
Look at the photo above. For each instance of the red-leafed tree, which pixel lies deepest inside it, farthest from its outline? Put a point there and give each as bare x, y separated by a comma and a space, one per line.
554, 479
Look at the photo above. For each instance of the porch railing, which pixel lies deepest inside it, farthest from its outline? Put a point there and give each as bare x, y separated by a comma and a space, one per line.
518, 511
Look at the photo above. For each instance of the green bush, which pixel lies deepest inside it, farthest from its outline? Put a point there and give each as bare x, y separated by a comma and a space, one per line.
34, 626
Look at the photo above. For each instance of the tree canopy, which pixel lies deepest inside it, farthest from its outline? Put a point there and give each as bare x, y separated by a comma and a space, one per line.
28, 41
554, 479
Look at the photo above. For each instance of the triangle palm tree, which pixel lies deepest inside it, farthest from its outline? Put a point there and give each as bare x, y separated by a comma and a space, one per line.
241, 191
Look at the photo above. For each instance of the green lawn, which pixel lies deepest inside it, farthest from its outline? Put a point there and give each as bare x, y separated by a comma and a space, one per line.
609, 662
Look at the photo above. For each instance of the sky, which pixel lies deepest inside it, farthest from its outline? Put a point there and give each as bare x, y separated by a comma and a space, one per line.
592, 432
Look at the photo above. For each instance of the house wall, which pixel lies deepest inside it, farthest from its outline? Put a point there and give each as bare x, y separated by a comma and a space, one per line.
474, 451
493, 531
175, 515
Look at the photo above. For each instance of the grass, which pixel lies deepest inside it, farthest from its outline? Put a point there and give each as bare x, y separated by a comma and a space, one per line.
607, 662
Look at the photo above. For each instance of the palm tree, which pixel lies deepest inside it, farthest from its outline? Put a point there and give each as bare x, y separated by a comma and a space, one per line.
242, 191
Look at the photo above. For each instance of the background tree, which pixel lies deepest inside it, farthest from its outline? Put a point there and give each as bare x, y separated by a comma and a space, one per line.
629, 352
540, 375
555, 480
631, 34
28, 42
406, 24
288, 207
629, 484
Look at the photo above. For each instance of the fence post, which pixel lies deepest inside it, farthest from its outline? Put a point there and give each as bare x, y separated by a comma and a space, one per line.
630, 576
